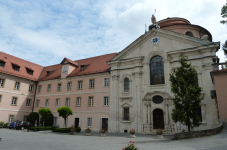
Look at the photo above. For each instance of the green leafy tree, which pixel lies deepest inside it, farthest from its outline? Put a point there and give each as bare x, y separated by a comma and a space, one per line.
44, 112
49, 119
32, 117
187, 94
64, 112
224, 47
224, 13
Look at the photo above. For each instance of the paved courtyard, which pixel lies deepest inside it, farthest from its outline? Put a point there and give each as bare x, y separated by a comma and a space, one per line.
19, 140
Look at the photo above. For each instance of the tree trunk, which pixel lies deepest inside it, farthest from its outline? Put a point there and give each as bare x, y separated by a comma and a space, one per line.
65, 123
188, 125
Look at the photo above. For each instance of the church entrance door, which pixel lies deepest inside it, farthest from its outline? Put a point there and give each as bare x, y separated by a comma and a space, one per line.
158, 119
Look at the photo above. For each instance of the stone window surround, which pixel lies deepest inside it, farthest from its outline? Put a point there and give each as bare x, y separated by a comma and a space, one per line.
59, 89
13, 118
0, 98
90, 85
49, 88
18, 88
76, 102
56, 102
3, 82
31, 88
124, 76
67, 98
47, 100
125, 105
69, 88
78, 86
39, 89
15, 102
36, 103
104, 84
107, 101
89, 101
89, 124
29, 103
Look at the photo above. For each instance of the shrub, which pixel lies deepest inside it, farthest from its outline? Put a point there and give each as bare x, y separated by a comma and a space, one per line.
62, 130
40, 128
132, 131
5, 125
130, 146
78, 129
1, 124
32, 117
48, 120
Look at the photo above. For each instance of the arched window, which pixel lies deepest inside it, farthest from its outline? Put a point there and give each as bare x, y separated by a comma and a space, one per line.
126, 85
189, 34
156, 70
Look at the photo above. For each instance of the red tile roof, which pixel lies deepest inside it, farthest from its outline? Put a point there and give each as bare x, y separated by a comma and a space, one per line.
8, 69
70, 61
96, 65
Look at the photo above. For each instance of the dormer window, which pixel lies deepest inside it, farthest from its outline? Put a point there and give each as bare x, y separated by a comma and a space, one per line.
2, 64
29, 71
50, 72
16, 67
65, 69
83, 67
189, 34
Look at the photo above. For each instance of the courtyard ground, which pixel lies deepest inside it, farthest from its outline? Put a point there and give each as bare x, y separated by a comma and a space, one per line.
20, 140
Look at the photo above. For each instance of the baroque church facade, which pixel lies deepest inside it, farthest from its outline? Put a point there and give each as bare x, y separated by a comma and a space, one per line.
141, 96
119, 91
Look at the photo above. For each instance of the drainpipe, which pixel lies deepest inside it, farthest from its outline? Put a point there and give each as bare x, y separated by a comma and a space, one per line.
36, 84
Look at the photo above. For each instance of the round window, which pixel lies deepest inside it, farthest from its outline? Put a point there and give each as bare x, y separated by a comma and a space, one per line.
157, 99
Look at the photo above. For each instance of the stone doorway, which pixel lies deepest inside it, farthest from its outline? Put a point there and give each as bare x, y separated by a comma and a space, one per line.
105, 124
77, 121
158, 119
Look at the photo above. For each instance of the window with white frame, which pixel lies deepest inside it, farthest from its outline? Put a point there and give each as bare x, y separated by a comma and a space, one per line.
47, 103
89, 122
69, 86
90, 101
14, 101
59, 86
80, 85
67, 102
64, 69
39, 88
37, 103
92, 84
2, 82
78, 101
106, 82
28, 103
106, 100
48, 87
30, 89
11, 117
17, 85
57, 102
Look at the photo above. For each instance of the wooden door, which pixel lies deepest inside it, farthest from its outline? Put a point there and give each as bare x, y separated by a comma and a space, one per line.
158, 119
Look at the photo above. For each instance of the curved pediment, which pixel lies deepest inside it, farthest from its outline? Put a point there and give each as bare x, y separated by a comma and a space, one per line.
149, 95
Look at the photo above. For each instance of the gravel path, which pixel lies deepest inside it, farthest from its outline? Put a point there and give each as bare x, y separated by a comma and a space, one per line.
19, 140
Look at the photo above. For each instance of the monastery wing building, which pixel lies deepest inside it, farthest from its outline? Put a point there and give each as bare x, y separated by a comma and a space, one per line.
117, 92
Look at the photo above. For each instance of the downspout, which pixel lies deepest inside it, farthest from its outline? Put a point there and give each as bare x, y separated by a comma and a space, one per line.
36, 84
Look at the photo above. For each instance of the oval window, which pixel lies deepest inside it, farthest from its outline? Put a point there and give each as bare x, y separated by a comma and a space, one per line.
157, 99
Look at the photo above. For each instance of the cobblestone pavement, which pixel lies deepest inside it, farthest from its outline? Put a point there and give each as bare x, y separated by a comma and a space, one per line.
20, 140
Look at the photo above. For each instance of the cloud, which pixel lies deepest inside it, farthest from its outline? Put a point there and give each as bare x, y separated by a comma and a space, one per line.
44, 32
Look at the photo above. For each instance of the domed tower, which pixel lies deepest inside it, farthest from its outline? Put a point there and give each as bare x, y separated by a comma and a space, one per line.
183, 26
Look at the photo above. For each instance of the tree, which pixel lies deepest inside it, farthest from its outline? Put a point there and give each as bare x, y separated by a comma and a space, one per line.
224, 13
64, 112
224, 47
32, 117
187, 94
49, 119
44, 112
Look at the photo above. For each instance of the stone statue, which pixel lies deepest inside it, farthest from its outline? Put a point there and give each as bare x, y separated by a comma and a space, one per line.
153, 20
205, 37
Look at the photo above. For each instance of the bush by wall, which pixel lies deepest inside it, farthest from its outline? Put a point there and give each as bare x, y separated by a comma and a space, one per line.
78, 129
62, 130
48, 120
1, 124
6, 125
40, 128
32, 117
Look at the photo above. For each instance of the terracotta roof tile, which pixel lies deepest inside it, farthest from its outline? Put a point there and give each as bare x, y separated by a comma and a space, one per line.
70, 61
8, 69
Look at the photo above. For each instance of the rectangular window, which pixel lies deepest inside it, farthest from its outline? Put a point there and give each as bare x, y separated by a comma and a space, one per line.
47, 103
2, 82
25, 118
80, 85
57, 102
90, 101
30, 89
67, 102
28, 103
17, 85
29, 71
55, 121
48, 87
69, 85
14, 101
39, 88
106, 100
11, 117
92, 84
78, 101
2, 64
126, 114
106, 82
16, 68
37, 102
59, 87
89, 122
0, 99
64, 69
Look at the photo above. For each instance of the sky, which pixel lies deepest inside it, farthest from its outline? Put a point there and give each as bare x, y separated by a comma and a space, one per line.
46, 31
